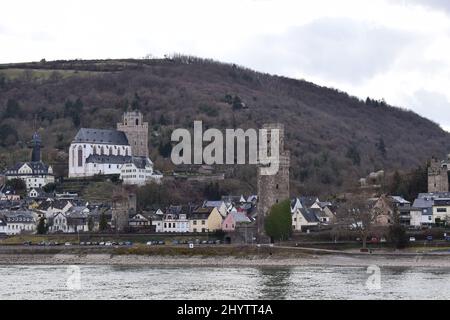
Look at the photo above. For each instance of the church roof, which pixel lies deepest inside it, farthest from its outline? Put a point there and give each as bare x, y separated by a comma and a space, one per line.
101, 136
97, 158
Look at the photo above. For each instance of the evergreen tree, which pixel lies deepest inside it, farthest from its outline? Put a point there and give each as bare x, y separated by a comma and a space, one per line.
103, 225
42, 227
90, 224
278, 223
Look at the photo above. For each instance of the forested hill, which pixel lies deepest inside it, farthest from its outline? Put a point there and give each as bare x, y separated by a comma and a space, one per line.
334, 138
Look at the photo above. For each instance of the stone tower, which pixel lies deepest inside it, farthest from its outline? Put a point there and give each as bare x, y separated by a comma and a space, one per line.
272, 188
122, 207
136, 131
437, 176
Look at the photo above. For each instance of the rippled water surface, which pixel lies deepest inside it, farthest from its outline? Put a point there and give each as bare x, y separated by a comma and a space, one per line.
141, 282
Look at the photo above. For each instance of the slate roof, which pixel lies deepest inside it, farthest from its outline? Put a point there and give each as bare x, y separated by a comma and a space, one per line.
400, 200
442, 202
212, 203
309, 215
112, 159
101, 136
141, 162
307, 201
37, 167
239, 217
19, 216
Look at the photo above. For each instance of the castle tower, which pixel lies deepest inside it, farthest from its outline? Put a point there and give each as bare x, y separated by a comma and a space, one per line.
437, 176
136, 131
36, 146
272, 188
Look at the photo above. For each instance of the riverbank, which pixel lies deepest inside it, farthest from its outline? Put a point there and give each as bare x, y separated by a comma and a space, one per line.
434, 261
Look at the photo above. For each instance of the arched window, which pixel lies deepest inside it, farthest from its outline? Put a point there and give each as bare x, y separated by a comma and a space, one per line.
94, 148
126, 152
137, 121
110, 151
80, 156
73, 156
102, 151
118, 152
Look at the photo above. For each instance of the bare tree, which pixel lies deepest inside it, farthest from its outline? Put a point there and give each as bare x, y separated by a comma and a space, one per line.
360, 215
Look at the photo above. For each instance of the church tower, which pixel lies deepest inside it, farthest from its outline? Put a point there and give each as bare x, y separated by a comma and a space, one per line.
36, 146
136, 130
272, 189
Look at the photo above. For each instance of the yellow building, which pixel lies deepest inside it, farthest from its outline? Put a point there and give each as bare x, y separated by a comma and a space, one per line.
205, 220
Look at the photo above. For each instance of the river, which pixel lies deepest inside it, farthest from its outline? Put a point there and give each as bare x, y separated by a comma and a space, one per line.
143, 282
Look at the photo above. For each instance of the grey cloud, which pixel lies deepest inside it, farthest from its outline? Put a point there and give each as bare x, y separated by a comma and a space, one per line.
433, 105
433, 4
335, 48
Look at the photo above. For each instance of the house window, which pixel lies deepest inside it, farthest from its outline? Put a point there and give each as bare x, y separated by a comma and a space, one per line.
276, 187
194, 222
203, 222
441, 210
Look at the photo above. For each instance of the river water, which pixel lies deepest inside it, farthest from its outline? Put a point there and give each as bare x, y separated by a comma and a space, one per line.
142, 282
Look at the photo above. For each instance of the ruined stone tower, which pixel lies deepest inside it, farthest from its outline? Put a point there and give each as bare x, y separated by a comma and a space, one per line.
136, 131
437, 176
123, 206
272, 188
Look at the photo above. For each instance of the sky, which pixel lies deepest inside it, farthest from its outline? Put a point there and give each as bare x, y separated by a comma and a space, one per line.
397, 50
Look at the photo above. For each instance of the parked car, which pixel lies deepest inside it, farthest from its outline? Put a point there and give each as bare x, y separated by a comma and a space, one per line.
447, 238
27, 243
412, 239
102, 243
82, 243
128, 243
161, 242
67, 244
383, 240
429, 238
108, 243
149, 243
217, 241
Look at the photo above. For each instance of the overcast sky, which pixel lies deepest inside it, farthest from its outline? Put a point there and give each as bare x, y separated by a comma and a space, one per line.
392, 49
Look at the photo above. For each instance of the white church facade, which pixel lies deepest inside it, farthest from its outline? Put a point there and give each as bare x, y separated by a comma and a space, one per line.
114, 152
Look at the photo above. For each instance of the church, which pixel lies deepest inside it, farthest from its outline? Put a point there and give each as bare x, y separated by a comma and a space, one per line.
113, 152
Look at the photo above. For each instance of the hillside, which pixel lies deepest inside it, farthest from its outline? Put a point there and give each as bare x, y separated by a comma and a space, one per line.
334, 138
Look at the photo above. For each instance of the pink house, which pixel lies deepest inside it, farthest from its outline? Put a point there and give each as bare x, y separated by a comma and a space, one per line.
232, 219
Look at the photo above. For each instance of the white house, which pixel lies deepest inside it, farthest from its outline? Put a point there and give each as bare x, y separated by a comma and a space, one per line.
139, 171
50, 207
17, 222
302, 217
34, 174
172, 222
